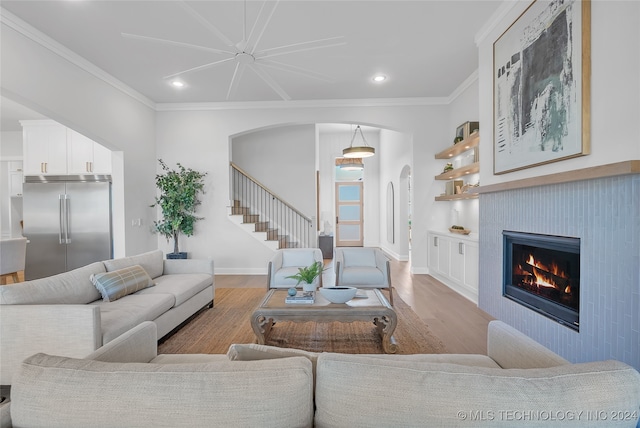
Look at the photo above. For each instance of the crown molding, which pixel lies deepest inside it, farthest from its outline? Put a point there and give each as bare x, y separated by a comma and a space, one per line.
495, 19
463, 86
23, 28
17, 24
372, 102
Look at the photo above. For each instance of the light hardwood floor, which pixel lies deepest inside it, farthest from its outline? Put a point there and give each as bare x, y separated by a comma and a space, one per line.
456, 321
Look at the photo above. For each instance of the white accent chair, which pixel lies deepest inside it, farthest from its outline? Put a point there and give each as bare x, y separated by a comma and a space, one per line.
12, 258
363, 267
286, 262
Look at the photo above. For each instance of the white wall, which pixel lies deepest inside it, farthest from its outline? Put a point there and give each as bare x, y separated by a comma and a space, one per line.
395, 155
200, 139
615, 90
54, 86
283, 160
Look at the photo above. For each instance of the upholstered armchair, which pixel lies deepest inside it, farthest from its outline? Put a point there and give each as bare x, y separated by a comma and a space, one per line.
12, 258
286, 262
363, 268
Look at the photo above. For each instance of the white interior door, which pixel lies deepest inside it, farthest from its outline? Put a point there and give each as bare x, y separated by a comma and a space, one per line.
349, 222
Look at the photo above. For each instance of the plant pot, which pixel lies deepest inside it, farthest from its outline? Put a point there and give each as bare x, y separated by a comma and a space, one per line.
180, 255
310, 287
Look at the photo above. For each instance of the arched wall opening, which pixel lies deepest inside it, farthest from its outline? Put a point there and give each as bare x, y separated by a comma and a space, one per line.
298, 162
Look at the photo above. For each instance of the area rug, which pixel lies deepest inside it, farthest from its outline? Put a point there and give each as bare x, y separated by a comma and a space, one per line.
214, 330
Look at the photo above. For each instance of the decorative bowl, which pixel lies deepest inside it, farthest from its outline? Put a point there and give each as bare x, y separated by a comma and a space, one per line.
338, 294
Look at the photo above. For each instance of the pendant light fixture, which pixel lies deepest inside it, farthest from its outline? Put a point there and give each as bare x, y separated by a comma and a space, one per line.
350, 164
362, 151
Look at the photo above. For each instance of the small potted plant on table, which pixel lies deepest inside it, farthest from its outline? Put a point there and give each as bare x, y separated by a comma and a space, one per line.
307, 276
178, 200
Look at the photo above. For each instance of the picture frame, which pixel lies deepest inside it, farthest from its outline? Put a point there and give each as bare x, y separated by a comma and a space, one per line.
465, 130
542, 74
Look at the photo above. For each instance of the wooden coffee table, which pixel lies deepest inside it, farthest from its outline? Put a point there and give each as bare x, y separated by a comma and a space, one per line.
374, 308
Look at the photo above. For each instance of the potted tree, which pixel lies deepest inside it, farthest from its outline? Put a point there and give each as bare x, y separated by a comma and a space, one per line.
178, 200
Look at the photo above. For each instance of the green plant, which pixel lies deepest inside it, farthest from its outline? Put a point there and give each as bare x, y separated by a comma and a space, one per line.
178, 200
308, 274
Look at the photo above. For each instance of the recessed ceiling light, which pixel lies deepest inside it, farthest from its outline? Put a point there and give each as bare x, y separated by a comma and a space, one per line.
177, 84
379, 78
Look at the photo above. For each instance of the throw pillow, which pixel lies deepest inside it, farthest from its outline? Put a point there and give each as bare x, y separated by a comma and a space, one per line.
119, 283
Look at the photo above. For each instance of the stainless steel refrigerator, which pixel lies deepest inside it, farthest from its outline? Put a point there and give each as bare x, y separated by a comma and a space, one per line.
67, 220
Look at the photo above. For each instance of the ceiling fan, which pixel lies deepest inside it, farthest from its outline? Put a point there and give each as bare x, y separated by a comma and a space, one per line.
245, 53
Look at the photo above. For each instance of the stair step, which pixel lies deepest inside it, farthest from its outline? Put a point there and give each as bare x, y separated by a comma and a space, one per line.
273, 235
289, 244
239, 210
262, 226
236, 203
251, 218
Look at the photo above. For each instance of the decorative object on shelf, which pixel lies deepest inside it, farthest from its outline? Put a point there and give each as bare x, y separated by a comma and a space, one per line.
465, 130
459, 229
179, 190
542, 86
457, 140
362, 151
307, 276
292, 291
452, 187
338, 294
448, 167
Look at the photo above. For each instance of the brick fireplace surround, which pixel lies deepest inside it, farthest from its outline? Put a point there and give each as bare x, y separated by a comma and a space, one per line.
599, 205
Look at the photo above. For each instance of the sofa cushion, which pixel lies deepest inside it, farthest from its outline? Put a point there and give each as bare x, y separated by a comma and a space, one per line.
181, 286
254, 352
295, 258
359, 257
441, 394
151, 262
72, 287
66, 392
122, 282
125, 313
362, 276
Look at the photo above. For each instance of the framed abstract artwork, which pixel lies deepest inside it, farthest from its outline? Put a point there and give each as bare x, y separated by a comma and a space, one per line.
542, 74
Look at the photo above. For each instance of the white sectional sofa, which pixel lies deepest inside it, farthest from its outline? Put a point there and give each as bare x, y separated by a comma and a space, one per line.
126, 383
65, 314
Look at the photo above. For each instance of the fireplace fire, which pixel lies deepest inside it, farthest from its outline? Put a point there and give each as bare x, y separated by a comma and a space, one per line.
542, 272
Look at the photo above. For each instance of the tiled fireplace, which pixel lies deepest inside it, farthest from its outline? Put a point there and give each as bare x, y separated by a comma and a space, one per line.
603, 214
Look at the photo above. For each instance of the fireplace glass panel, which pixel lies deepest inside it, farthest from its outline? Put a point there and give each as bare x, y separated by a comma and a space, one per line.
542, 272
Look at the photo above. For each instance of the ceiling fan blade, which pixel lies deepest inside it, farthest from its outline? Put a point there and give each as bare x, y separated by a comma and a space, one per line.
269, 81
301, 47
294, 69
206, 23
200, 67
175, 43
235, 80
262, 21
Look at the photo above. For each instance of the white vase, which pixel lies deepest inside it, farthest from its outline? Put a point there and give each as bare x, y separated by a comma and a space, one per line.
309, 287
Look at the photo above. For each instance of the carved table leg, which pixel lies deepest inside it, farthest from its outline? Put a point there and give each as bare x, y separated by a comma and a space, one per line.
386, 325
261, 326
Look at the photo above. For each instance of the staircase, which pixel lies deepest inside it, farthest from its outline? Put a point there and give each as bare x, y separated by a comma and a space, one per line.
265, 216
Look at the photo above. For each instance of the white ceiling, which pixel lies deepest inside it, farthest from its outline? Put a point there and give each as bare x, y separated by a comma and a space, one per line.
426, 48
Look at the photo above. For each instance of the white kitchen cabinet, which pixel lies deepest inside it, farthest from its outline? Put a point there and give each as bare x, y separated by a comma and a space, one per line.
453, 260
44, 145
52, 149
85, 156
15, 178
